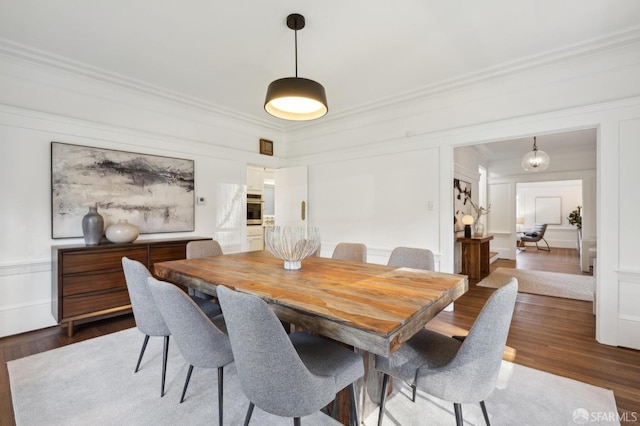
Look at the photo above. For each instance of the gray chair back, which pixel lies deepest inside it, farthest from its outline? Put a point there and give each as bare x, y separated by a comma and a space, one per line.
350, 251
148, 318
201, 343
406, 257
271, 373
536, 233
472, 374
203, 248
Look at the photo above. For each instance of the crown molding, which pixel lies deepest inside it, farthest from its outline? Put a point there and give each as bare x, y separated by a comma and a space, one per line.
587, 47
32, 55
584, 48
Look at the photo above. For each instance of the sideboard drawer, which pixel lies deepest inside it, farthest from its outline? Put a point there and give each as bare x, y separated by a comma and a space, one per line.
86, 303
77, 262
166, 252
93, 281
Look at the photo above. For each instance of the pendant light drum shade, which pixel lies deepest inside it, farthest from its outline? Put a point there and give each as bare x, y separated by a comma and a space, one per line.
296, 98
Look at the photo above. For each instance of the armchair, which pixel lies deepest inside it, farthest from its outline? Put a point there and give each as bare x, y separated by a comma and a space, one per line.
535, 235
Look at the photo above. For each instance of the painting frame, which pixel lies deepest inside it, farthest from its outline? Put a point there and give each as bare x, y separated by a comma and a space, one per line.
548, 210
154, 192
461, 202
266, 147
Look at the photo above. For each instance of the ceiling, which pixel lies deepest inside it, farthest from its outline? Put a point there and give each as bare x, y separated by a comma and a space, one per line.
557, 145
223, 54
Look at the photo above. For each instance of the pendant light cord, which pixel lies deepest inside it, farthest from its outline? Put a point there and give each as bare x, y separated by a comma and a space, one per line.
296, 46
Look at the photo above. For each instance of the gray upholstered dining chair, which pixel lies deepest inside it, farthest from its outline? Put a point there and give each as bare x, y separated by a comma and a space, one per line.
456, 370
350, 251
148, 318
202, 248
416, 258
407, 257
200, 339
287, 375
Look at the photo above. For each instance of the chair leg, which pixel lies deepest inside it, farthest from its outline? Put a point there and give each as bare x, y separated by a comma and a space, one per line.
458, 410
220, 394
413, 393
334, 412
353, 407
296, 421
484, 413
545, 241
543, 249
165, 355
144, 346
248, 416
186, 383
383, 397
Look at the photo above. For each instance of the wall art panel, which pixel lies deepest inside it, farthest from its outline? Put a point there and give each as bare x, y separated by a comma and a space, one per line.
152, 192
462, 206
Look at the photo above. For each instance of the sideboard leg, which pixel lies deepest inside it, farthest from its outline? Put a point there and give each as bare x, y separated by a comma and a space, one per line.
70, 329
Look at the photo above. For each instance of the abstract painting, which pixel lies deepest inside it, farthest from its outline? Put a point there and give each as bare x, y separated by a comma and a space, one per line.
152, 192
461, 204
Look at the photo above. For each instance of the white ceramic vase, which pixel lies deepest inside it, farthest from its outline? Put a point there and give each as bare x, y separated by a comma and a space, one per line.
122, 232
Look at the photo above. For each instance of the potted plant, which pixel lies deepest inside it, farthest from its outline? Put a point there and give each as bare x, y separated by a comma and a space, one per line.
575, 218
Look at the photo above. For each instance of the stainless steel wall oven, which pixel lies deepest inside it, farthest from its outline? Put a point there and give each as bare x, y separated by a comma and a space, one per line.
254, 209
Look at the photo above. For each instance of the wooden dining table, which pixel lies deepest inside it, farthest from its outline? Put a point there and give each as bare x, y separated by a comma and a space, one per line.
373, 308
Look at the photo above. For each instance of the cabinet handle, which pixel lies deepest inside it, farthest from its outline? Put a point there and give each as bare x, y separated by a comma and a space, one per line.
303, 210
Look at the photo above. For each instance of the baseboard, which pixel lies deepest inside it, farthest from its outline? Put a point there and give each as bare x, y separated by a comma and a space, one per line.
25, 318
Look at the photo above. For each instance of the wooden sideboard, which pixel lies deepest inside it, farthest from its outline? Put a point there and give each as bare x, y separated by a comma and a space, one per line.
475, 256
88, 283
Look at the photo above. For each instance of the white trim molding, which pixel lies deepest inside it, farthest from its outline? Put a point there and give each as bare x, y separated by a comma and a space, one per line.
25, 268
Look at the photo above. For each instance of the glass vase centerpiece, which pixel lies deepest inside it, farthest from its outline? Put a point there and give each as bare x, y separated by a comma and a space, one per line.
292, 243
478, 227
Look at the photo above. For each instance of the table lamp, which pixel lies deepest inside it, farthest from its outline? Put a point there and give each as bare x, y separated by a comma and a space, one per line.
467, 221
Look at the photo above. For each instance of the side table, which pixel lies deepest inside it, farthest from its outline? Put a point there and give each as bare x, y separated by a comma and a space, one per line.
475, 256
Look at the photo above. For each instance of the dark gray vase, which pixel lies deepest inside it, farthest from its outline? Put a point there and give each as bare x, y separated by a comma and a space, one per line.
92, 227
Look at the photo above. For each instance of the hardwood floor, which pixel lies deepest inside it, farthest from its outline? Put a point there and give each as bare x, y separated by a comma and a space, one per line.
554, 334
550, 334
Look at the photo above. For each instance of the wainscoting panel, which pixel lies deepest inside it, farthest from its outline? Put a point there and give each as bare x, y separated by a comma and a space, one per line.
25, 303
629, 309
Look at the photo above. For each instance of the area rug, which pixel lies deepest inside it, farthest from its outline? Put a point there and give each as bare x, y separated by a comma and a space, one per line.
569, 286
523, 396
92, 382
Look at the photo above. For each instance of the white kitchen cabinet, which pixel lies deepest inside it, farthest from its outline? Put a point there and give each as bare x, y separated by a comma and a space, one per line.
255, 238
255, 179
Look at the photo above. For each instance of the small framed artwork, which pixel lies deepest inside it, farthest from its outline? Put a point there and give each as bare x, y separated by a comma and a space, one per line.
266, 147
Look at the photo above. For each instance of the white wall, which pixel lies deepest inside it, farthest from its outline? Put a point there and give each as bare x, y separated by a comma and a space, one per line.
600, 90
570, 194
382, 201
38, 107
594, 89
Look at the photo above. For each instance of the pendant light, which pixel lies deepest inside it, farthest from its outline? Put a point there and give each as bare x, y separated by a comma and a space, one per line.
536, 160
296, 98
